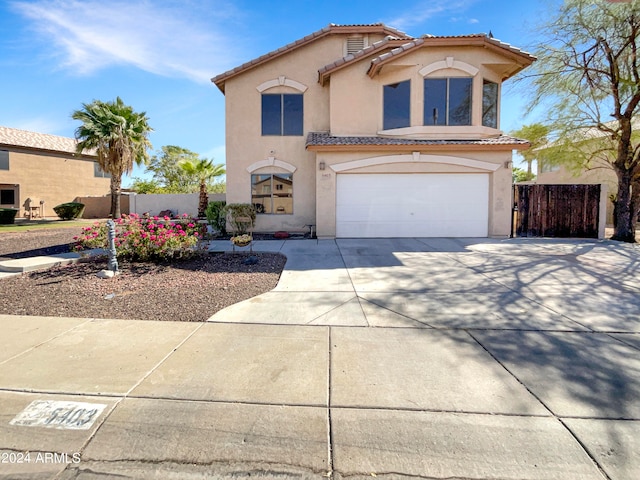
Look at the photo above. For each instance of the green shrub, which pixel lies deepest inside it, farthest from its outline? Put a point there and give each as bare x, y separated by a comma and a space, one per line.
8, 215
235, 211
140, 238
215, 216
69, 211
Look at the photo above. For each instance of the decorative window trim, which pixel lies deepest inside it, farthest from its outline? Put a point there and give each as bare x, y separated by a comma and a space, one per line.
271, 162
416, 157
448, 62
282, 81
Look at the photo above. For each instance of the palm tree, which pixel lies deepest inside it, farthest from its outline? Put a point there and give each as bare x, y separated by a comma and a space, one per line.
118, 136
203, 170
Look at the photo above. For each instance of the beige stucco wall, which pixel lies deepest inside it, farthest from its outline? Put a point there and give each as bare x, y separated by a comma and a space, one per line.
499, 181
100, 207
359, 111
246, 146
350, 103
53, 178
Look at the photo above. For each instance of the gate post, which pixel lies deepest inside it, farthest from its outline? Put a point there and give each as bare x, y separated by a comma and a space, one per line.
602, 211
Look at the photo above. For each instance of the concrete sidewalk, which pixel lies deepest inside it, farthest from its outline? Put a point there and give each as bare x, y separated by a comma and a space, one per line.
445, 358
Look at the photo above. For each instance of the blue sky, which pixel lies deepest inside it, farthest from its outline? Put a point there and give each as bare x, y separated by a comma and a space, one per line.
159, 55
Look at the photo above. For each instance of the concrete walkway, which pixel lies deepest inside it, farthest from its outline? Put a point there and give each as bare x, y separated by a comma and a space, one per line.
394, 358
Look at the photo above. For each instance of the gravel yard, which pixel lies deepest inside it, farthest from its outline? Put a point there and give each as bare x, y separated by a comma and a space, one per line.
190, 290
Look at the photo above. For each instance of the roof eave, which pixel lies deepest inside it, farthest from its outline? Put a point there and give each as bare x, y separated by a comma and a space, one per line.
421, 148
522, 59
219, 80
323, 76
13, 147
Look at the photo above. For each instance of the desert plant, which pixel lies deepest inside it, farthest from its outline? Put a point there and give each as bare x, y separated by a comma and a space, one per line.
140, 238
203, 170
215, 216
69, 211
8, 215
241, 217
118, 136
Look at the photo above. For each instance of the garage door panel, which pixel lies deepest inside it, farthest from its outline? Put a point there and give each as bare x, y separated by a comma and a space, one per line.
412, 205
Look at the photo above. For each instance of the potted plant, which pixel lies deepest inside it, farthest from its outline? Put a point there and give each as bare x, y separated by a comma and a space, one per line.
242, 218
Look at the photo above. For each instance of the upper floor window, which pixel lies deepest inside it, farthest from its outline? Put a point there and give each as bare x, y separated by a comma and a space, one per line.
489, 104
282, 114
447, 101
98, 172
4, 160
397, 105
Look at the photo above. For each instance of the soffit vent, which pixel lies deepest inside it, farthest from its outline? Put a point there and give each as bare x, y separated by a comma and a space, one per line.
355, 44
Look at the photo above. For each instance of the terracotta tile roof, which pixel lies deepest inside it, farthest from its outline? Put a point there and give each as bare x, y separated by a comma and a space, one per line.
329, 29
324, 139
385, 43
476, 39
400, 46
13, 137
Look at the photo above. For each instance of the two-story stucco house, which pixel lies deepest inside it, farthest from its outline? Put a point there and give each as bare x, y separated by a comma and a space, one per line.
364, 131
45, 168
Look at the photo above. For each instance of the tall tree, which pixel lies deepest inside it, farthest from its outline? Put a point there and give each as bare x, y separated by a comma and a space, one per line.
588, 78
537, 135
166, 169
203, 170
118, 135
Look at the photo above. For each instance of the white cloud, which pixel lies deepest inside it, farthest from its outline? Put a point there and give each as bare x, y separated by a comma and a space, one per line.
174, 39
426, 10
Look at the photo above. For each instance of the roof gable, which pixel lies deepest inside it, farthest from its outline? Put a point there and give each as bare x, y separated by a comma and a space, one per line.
390, 49
330, 29
519, 57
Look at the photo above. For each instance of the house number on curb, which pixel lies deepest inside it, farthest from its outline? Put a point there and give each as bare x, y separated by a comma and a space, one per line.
56, 414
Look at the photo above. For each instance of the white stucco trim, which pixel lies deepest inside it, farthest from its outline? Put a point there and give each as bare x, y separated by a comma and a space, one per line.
271, 162
448, 62
280, 82
416, 157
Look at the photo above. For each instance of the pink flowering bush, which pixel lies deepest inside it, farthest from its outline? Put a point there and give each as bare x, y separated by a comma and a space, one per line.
146, 238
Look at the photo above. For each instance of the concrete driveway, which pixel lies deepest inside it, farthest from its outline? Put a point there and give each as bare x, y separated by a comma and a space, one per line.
432, 358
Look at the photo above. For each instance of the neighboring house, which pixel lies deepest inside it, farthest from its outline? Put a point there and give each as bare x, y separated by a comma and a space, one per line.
364, 131
45, 168
599, 171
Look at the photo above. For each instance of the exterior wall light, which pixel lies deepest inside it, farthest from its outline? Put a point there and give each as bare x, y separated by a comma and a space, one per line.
322, 165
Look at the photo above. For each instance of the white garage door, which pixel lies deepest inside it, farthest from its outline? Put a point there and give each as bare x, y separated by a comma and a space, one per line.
412, 205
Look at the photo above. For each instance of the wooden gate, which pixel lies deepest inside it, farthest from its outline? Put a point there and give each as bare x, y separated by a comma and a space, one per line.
556, 210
